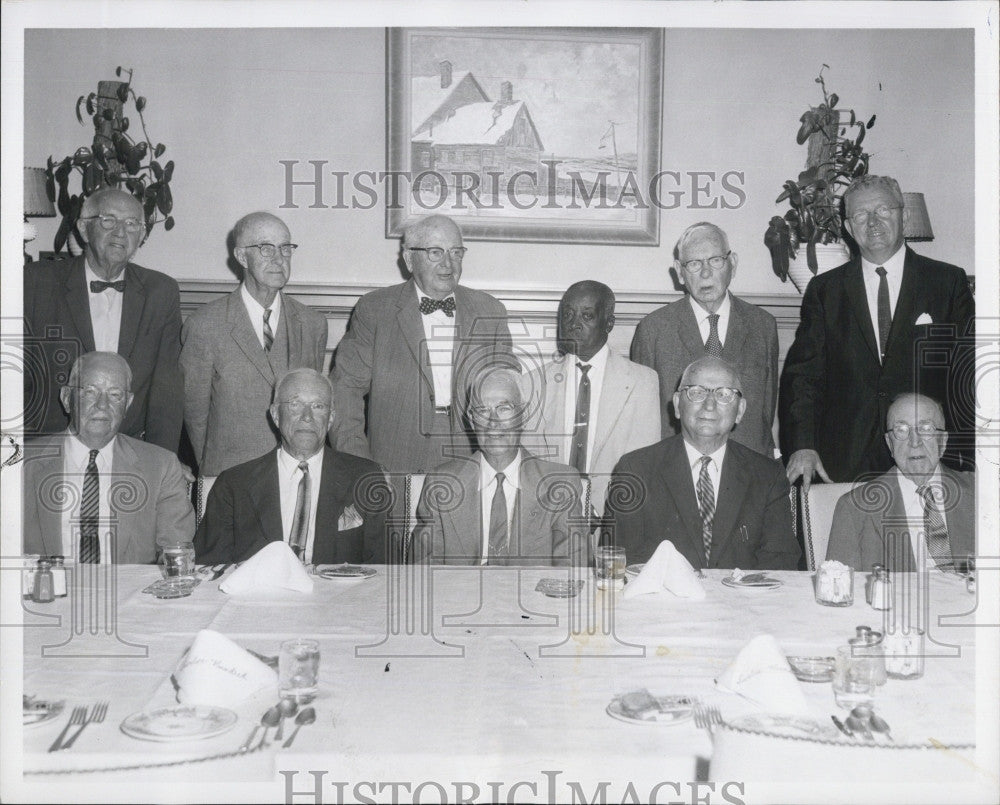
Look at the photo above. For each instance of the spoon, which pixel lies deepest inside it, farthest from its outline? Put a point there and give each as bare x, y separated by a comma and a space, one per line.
307, 716
272, 718
287, 707
879, 725
858, 726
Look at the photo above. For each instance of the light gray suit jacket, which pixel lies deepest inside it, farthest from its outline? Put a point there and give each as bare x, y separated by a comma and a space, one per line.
449, 515
150, 504
384, 356
628, 415
866, 515
229, 380
668, 339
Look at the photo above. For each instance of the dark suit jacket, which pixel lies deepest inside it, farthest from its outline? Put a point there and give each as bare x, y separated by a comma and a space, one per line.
243, 512
384, 356
58, 329
835, 392
449, 515
870, 512
150, 503
668, 339
652, 498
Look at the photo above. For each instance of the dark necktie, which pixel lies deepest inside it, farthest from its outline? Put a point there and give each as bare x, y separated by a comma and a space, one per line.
706, 502
90, 546
581, 422
498, 542
99, 286
935, 531
884, 315
268, 333
300, 522
428, 306
713, 346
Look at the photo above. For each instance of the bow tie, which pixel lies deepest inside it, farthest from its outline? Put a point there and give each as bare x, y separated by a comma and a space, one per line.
97, 286
428, 306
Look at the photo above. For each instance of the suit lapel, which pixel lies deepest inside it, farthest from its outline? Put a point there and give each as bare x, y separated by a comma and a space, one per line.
124, 469
676, 474
737, 334
243, 335
734, 484
293, 329
332, 500
265, 494
854, 290
133, 302
687, 329
910, 294
78, 302
558, 376
615, 391
412, 327
467, 521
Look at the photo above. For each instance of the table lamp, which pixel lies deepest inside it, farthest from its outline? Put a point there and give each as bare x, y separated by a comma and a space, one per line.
918, 226
36, 204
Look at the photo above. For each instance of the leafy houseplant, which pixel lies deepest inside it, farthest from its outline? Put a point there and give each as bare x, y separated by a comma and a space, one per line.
834, 159
114, 159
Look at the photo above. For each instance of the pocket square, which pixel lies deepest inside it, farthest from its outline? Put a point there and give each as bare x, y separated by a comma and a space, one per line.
349, 519
924, 318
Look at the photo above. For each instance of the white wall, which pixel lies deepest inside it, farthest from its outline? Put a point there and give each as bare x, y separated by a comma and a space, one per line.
230, 103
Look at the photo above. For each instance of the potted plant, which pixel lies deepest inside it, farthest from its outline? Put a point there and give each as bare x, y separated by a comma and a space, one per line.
834, 159
113, 159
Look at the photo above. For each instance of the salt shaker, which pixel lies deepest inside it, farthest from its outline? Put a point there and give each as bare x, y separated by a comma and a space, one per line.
870, 581
59, 576
42, 592
881, 597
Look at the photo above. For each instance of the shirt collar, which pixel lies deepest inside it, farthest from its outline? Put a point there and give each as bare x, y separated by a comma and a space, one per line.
694, 455
511, 473
78, 454
700, 314
421, 293
255, 308
90, 276
893, 266
908, 487
598, 361
288, 465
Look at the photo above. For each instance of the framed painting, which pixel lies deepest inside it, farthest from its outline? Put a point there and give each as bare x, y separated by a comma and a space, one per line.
526, 134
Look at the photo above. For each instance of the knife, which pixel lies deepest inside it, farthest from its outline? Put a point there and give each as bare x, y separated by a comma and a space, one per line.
841, 727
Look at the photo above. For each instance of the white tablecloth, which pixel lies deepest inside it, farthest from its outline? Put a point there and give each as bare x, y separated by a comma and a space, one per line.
463, 677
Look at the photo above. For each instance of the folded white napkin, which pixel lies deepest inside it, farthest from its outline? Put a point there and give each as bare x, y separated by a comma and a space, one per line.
273, 569
761, 674
667, 569
217, 671
924, 318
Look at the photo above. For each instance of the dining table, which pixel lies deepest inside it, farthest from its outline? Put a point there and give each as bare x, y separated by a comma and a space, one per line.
443, 683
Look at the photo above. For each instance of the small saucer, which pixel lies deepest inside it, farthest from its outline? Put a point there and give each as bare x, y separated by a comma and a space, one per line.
673, 710
345, 572
559, 588
166, 588
812, 669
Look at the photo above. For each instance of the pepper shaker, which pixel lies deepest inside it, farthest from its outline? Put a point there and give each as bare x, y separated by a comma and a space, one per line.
42, 592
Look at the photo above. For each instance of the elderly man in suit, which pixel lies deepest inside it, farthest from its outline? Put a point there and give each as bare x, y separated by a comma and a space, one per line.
319, 501
102, 301
859, 339
92, 493
720, 503
410, 349
919, 515
501, 506
712, 321
236, 347
589, 405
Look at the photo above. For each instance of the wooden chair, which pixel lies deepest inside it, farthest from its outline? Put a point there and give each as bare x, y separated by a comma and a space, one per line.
202, 488
817, 519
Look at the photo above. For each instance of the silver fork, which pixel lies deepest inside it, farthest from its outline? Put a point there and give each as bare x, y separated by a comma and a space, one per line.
706, 717
96, 717
78, 717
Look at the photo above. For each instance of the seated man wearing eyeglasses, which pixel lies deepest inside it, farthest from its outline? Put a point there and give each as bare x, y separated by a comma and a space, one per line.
321, 502
919, 515
102, 301
235, 348
721, 504
502, 505
93, 494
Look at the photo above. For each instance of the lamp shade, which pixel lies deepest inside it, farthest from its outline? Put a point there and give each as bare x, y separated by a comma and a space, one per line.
918, 225
36, 202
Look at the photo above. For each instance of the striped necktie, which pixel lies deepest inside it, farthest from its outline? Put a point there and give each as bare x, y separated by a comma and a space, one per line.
706, 502
581, 423
935, 531
90, 546
268, 333
300, 521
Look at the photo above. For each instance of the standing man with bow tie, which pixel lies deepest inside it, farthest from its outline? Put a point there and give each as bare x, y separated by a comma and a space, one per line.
101, 301
411, 349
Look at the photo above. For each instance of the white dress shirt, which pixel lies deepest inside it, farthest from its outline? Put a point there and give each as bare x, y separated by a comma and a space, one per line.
714, 467
289, 476
701, 316
256, 312
597, 364
913, 504
439, 330
105, 312
893, 277
488, 488
75, 461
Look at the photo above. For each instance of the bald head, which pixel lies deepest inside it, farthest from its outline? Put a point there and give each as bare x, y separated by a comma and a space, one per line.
433, 252
97, 396
715, 365
245, 230
915, 435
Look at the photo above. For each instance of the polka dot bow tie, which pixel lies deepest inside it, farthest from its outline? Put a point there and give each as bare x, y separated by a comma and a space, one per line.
428, 306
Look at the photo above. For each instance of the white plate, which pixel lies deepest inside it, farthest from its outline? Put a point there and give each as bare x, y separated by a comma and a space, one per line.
634, 570
772, 584
36, 711
674, 710
345, 572
183, 723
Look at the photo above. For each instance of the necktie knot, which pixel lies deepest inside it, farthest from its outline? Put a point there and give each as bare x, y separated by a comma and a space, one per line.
705, 461
428, 305
267, 314
500, 479
304, 467
880, 271
583, 367
99, 286
93, 456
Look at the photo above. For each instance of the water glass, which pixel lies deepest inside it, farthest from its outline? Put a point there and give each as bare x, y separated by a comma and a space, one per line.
904, 653
298, 670
834, 584
853, 677
177, 563
609, 566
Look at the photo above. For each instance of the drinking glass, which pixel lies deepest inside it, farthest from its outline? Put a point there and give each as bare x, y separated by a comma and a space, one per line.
298, 670
609, 565
853, 677
834, 584
177, 563
904, 653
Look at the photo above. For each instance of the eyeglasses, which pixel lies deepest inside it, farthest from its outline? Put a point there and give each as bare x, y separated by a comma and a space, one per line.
503, 411
901, 431
714, 263
110, 222
436, 254
297, 407
883, 211
92, 394
723, 395
268, 250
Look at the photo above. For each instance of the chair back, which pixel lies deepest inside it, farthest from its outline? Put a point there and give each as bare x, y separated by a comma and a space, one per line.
414, 485
202, 488
817, 519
